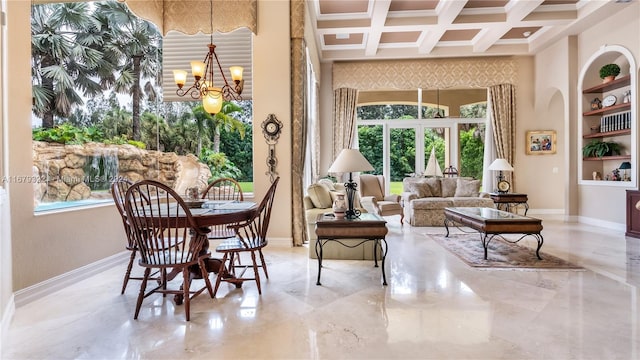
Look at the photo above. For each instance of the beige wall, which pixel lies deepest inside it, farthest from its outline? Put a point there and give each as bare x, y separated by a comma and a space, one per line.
49, 245
272, 95
6, 289
546, 176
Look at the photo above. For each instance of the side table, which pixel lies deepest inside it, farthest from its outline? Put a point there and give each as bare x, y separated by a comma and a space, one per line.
368, 227
509, 201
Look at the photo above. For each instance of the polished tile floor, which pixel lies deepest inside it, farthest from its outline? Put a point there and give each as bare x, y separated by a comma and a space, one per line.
435, 307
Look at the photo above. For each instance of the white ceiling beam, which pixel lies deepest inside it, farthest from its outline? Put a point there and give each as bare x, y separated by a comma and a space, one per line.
378, 18
447, 11
516, 11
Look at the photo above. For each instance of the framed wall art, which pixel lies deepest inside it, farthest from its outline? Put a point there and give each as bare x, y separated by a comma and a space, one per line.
541, 142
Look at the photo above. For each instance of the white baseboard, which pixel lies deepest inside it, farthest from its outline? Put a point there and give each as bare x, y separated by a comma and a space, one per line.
281, 241
34, 292
545, 211
602, 223
580, 219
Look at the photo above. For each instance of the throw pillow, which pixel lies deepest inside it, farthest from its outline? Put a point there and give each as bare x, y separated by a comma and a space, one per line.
319, 196
449, 187
328, 183
434, 186
467, 188
421, 189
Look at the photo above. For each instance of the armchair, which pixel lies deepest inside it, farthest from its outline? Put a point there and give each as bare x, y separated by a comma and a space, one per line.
373, 199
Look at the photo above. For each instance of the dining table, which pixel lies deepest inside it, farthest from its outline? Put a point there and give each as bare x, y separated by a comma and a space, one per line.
205, 214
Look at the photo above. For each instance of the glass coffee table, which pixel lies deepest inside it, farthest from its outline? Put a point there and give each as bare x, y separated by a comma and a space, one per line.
491, 222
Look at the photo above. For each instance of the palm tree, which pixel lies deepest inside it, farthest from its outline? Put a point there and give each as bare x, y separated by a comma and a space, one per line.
226, 119
66, 57
137, 44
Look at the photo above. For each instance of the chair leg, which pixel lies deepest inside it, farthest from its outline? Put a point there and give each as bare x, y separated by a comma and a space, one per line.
186, 284
164, 279
143, 286
255, 271
205, 276
127, 274
220, 273
263, 264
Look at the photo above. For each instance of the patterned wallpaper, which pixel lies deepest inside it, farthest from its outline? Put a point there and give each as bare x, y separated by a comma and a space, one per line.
479, 72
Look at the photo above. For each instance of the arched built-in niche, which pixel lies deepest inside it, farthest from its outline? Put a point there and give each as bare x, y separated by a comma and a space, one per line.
613, 121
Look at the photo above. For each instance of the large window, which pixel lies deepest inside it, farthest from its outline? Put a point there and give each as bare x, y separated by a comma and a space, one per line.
99, 113
407, 139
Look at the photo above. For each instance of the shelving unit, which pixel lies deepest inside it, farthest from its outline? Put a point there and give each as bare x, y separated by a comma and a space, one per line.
617, 121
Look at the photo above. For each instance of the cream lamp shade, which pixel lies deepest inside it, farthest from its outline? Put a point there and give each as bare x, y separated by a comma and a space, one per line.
350, 160
501, 165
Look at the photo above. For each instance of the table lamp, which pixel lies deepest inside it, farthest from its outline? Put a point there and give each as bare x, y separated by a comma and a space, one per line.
350, 160
625, 166
501, 165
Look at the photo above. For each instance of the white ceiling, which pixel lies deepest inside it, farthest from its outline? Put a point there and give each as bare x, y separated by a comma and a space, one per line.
401, 29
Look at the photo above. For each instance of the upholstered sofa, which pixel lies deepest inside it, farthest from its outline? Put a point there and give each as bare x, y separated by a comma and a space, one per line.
424, 199
319, 200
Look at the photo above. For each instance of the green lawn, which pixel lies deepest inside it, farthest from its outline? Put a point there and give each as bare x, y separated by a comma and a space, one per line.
247, 187
395, 187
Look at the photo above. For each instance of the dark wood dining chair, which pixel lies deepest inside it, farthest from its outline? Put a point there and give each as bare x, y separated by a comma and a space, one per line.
118, 191
158, 215
224, 189
251, 237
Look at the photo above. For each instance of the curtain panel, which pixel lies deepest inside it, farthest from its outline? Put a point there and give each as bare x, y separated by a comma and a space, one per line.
299, 103
344, 119
503, 121
192, 16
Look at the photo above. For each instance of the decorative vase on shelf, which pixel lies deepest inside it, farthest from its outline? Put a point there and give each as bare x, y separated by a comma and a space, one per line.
339, 206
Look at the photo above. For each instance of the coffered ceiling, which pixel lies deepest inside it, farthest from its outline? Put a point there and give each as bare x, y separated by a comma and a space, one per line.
396, 29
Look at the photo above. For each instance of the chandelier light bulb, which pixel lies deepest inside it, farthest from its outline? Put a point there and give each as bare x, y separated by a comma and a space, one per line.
197, 69
180, 77
236, 73
212, 100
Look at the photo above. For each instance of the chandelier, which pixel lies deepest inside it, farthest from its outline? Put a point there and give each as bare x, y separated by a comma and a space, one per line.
203, 86
438, 114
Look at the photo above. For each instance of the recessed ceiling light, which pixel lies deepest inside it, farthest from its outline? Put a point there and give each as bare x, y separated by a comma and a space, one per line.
526, 33
342, 36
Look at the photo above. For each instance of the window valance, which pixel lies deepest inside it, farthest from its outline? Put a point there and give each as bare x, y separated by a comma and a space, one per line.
480, 72
192, 16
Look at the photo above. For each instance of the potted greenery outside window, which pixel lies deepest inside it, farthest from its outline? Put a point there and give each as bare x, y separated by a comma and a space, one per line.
599, 149
609, 72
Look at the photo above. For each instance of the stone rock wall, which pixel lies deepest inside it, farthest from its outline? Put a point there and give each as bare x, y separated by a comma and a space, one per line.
60, 169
